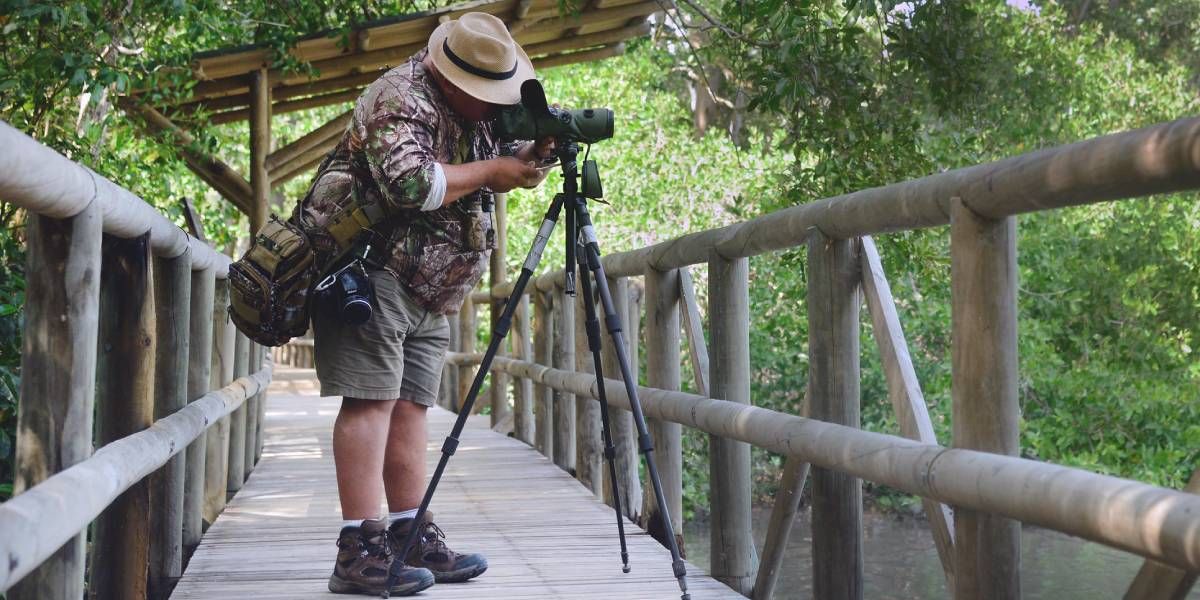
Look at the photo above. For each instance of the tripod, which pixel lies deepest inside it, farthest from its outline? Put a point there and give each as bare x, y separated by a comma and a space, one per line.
582, 244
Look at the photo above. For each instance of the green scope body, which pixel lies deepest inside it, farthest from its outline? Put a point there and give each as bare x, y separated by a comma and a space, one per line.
585, 125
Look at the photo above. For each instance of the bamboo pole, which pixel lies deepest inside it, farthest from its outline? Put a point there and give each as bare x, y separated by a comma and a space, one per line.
732, 558
833, 313
200, 342
498, 266
566, 407
543, 347
236, 474
904, 390
589, 445
172, 304
125, 405
624, 439
58, 366
662, 372
216, 458
983, 267
522, 388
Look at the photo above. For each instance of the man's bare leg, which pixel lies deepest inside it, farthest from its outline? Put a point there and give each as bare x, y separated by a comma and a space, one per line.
404, 457
360, 435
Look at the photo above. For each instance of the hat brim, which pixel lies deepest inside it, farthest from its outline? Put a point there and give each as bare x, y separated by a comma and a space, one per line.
503, 92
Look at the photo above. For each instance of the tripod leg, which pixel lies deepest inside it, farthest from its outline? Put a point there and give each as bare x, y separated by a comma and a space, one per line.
645, 445
610, 452
498, 335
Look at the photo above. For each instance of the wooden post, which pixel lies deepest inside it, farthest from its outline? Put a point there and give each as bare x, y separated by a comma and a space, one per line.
589, 447
983, 300
260, 146
729, 461
833, 309
172, 302
216, 458
621, 421
200, 345
125, 400
252, 412
543, 349
499, 387
522, 387
58, 366
466, 340
260, 421
237, 424
447, 394
662, 372
563, 357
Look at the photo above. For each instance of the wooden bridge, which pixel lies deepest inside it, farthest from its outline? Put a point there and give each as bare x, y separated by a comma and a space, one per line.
191, 450
544, 533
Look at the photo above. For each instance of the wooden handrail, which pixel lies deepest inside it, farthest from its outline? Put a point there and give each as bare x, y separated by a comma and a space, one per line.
39, 520
153, 338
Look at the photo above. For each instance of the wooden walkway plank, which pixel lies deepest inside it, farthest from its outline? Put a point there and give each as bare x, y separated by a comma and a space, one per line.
544, 534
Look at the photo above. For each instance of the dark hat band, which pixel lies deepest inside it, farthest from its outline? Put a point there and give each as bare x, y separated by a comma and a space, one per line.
474, 70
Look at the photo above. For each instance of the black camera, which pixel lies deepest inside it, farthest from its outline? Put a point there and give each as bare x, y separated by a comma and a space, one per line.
534, 119
348, 292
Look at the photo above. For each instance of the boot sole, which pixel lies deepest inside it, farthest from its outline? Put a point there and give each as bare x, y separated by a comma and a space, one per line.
338, 585
460, 575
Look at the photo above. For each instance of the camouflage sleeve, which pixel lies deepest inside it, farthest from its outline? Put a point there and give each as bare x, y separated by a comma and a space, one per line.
399, 151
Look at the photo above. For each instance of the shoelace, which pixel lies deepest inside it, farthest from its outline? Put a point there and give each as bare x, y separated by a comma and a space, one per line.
382, 549
434, 535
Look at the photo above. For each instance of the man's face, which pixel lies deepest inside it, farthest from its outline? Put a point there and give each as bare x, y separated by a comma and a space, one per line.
466, 105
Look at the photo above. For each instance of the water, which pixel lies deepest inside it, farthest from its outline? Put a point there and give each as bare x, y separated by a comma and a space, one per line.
901, 561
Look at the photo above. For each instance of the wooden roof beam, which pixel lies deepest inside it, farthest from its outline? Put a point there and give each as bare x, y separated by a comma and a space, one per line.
289, 106
334, 128
283, 92
223, 178
558, 60
395, 54
602, 38
302, 164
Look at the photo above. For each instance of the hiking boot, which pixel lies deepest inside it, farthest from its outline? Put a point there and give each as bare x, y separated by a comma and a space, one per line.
430, 552
364, 557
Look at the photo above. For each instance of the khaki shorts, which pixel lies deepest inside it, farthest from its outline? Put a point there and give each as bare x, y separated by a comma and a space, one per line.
398, 353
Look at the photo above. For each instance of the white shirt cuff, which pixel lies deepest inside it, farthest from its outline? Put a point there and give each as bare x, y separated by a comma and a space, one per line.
437, 190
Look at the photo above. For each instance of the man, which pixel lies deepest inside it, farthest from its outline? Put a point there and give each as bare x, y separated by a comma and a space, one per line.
420, 146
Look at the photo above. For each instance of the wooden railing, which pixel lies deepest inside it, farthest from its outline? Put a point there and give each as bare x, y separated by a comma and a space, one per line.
975, 491
125, 319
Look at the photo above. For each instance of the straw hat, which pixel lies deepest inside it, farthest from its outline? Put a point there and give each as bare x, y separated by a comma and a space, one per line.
477, 54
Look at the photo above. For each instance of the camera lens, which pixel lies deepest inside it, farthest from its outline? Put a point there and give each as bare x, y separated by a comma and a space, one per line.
355, 302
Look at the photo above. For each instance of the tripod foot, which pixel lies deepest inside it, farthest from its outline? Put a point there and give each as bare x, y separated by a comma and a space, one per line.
625, 568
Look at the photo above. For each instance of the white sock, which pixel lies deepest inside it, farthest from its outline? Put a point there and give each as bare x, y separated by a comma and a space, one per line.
404, 514
353, 523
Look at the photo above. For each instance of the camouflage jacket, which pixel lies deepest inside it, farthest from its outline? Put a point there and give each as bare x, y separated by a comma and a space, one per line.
401, 127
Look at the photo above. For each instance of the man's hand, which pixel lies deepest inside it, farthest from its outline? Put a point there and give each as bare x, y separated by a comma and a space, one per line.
538, 151
507, 172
